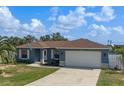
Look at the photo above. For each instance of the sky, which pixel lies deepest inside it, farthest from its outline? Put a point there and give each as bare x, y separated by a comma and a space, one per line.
96, 23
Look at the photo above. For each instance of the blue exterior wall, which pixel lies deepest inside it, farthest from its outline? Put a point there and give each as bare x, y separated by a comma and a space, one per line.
31, 55
49, 55
62, 55
36, 55
19, 59
104, 56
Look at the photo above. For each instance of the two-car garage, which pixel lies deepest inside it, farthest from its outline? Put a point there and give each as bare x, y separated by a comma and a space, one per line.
79, 58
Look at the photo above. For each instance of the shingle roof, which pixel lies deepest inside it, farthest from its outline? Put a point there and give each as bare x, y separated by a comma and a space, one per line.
79, 43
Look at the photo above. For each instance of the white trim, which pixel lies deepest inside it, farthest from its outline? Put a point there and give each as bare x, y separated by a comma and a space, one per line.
52, 54
79, 48
42, 58
45, 56
19, 53
28, 54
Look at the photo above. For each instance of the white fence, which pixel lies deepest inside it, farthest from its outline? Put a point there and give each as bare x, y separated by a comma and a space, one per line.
115, 61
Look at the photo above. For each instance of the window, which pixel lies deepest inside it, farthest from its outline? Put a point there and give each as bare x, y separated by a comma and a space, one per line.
24, 53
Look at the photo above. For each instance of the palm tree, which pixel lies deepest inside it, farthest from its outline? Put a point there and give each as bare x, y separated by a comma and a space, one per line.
7, 51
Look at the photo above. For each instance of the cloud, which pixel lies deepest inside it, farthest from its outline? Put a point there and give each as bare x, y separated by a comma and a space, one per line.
70, 37
119, 29
35, 26
70, 21
54, 12
106, 14
77, 18
7, 21
98, 27
55, 28
99, 30
73, 19
12, 26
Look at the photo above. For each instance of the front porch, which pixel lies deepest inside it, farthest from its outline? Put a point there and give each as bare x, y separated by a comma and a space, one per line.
46, 56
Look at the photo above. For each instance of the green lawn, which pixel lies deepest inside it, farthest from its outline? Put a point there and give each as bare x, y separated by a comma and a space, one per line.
21, 75
111, 78
0, 59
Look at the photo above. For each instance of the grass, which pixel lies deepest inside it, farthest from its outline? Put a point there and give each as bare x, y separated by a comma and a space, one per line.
0, 59
22, 74
111, 78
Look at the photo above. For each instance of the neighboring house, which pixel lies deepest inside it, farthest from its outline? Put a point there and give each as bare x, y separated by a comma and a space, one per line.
76, 53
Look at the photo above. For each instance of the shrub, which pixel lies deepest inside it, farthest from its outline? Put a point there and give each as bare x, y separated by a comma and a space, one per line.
23, 61
1, 71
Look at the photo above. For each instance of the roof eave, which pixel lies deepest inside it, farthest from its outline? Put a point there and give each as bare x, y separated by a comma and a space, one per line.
81, 48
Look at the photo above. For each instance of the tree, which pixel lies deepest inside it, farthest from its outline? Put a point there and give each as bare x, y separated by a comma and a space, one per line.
15, 41
58, 37
118, 49
55, 37
45, 38
7, 51
30, 38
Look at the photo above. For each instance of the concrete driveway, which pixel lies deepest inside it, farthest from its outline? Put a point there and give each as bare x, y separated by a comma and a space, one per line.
69, 76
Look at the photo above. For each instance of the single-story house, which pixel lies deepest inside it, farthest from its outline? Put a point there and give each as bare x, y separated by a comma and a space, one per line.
76, 53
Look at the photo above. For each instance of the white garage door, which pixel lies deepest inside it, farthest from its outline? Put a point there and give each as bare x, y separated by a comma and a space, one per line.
83, 59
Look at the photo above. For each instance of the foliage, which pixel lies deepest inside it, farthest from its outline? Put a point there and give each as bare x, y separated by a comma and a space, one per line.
7, 51
30, 38
1, 71
23, 61
16, 41
58, 36
55, 37
45, 38
118, 49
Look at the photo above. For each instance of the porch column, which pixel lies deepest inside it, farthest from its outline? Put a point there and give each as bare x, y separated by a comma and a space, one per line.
42, 56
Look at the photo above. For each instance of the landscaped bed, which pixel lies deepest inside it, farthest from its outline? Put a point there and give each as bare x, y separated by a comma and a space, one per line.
21, 74
111, 78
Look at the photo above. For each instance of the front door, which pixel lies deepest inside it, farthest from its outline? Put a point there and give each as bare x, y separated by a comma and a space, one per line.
37, 54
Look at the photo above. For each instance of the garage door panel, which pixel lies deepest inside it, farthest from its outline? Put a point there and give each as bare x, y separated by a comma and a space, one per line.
83, 58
